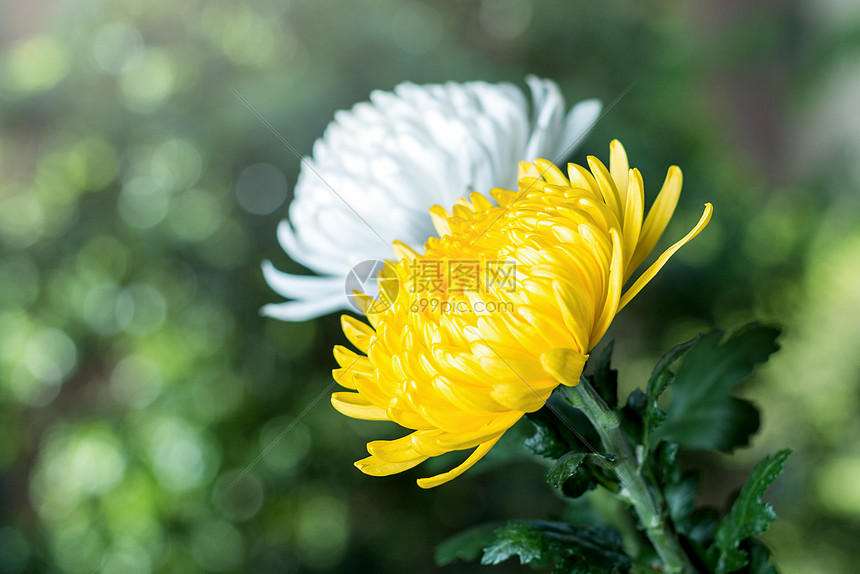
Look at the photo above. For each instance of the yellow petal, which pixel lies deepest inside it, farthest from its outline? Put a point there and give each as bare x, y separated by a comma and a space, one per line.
352, 361
440, 220
577, 312
476, 455
613, 292
503, 196
403, 251
370, 387
633, 210
470, 397
526, 169
659, 216
400, 411
565, 365
529, 183
550, 173
657, 265
446, 442
377, 467
619, 167
398, 450
359, 334
480, 202
344, 377
357, 406
522, 395
607, 187
581, 178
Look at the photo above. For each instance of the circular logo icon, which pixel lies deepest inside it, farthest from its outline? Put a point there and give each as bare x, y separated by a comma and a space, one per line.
364, 279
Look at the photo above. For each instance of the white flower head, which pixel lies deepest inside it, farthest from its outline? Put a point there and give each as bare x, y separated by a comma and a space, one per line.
380, 166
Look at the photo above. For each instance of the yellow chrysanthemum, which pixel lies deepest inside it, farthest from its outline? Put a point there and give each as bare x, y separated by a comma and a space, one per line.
461, 365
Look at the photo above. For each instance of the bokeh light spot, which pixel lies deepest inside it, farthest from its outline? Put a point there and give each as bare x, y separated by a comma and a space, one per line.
50, 355
206, 328
417, 27
196, 214
217, 546
22, 220
238, 496
129, 559
136, 381
322, 531
178, 456
91, 164
36, 64
505, 19
247, 38
95, 462
116, 46
215, 395
176, 164
149, 309
77, 546
148, 82
142, 202
227, 248
103, 258
261, 189
285, 451
30, 390
19, 277
107, 309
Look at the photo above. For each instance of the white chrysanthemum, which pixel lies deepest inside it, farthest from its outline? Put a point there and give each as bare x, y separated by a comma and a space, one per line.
380, 166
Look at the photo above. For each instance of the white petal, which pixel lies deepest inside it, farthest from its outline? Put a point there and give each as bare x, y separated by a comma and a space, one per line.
301, 286
305, 310
304, 254
579, 122
546, 116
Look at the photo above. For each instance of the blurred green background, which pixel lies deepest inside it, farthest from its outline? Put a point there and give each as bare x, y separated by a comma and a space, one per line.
137, 379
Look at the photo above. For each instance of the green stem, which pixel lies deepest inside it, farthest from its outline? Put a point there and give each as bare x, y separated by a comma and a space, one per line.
634, 489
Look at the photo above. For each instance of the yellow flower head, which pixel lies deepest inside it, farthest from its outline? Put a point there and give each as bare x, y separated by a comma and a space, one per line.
479, 326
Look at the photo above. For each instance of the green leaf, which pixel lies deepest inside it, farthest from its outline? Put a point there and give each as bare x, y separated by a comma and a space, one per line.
646, 403
572, 474
560, 428
666, 465
598, 550
680, 488
546, 440
604, 378
681, 499
637, 402
760, 559
661, 376
702, 415
749, 515
568, 466
466, 545
575, 549
516, 539
702, 525
631, 416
